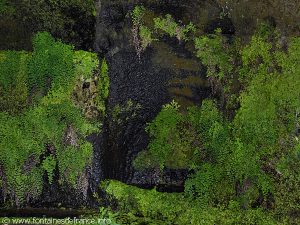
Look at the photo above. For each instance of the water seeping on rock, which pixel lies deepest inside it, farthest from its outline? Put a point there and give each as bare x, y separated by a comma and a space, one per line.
167, 70
139, 87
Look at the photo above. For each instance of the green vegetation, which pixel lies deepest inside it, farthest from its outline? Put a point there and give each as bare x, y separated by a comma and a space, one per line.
169, 26
146, 37
143, 35
242, 149
122, 113
92, 99
137, 15
102, 87
173, 142
214, 53
13, 88
68, 20
41, 128
139, 206
241, 146
5, 8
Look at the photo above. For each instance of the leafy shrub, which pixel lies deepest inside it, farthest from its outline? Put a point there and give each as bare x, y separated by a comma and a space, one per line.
146, 37
137, 15
50, 132
214, 53
169, 26
86, 63
52, 61
49, 165
138, 206
143, 36
172, 142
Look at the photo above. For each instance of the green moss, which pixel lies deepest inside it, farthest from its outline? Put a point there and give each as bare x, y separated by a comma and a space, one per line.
102, 87
250, 158
172, 144
49, 165
50, 132
138, 206
13, 81
121, 113
142, 35
213, 52
173, 29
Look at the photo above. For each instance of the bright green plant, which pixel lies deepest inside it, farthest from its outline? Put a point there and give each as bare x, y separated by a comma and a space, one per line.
102, 87
267, 120
91, 99
13, 81
214, 53
50, 124
173, 29
49, 165
86, 63
146, 37
172, 142
137, 15
51, 61
108, 215
138, 206
142, 35
182, 139
250, 159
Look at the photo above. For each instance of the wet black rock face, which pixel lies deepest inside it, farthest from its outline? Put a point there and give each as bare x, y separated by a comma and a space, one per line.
168, 180
144, 82
225, 24
167, 70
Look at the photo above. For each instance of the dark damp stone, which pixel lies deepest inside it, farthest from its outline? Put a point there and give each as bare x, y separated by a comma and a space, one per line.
225, 24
